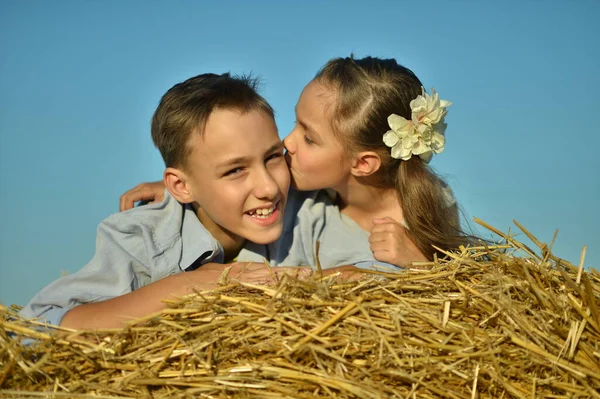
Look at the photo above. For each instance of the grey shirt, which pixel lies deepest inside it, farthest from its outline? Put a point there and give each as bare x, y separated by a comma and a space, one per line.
133, 249
313, 216
145, 244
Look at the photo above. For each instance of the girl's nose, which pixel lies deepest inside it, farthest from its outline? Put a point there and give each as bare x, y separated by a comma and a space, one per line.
289, 143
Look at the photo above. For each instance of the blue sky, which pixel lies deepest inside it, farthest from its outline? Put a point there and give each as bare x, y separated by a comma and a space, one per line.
79, 81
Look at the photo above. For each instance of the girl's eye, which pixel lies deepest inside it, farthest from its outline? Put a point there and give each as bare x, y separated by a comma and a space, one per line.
234, 171
307, 140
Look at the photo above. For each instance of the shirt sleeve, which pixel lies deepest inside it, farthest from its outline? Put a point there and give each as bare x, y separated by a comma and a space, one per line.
309, 219
377, 265
119, 266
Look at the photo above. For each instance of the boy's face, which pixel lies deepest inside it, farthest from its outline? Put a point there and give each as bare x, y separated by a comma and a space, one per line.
238, 176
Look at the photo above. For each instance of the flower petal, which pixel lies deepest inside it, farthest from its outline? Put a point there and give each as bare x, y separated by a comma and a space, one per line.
435, 116
398, 151
397, 122
445, 103
420, 147
437, 142
427, 136
390, 138
423, 134
426, 156
409, 141
422, 128
405, 154
440, 128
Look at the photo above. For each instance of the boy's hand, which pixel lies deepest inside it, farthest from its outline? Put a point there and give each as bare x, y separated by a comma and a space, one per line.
390, 243
151, 192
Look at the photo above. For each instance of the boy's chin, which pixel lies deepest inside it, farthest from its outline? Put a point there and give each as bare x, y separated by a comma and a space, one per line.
266, 237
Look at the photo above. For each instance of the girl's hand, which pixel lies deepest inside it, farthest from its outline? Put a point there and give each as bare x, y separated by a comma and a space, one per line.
151, 192
390, 243
211, 275
260, 273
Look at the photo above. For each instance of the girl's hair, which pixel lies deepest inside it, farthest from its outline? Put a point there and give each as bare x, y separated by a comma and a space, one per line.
368, 90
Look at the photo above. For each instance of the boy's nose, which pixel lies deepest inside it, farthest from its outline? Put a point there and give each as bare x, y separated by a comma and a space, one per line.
266, 186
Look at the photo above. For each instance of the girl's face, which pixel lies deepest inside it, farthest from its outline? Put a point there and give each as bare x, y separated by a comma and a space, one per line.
314, 154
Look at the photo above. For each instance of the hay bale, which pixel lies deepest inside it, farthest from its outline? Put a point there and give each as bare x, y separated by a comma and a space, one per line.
481, 323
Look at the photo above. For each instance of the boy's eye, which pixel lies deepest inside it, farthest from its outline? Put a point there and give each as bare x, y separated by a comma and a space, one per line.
274, 156
233, 171
307, 140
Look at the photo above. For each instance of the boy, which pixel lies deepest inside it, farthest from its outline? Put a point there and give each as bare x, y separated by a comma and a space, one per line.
227, 182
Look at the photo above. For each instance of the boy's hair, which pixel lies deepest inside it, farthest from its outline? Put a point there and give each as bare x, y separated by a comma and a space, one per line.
368, 90
185, 108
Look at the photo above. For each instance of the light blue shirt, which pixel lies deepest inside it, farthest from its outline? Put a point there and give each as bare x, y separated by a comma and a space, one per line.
133, 249
146, 244
313, 216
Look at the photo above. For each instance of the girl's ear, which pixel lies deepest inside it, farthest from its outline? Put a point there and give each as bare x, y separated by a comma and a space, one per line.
365, 164
176, 182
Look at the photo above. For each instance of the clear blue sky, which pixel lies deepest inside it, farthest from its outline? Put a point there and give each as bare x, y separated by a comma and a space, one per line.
79, 81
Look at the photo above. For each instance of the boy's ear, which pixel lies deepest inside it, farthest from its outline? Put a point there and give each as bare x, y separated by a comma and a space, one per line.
176, 182
365, 164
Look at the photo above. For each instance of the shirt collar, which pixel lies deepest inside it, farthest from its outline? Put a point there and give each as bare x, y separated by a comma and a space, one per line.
197, 241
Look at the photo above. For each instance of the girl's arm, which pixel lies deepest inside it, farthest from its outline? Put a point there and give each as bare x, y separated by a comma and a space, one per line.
149, 192
390, 243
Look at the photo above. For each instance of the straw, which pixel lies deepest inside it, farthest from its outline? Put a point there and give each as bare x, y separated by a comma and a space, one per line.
479, 323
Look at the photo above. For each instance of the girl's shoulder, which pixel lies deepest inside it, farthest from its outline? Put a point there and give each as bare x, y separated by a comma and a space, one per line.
310, 200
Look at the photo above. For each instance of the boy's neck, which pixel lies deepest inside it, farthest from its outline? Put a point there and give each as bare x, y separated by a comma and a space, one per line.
363, 203
231, 243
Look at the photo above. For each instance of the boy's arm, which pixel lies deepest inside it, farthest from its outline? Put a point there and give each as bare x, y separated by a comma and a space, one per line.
121, 264
118, 311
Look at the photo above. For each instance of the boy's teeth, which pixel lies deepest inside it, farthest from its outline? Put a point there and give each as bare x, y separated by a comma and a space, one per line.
262, 213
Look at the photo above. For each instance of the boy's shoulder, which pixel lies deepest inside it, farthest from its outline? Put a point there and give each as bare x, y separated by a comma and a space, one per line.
165, 216
161, 228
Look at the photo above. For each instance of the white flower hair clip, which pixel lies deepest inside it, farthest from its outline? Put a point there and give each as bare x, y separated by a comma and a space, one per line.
423, 135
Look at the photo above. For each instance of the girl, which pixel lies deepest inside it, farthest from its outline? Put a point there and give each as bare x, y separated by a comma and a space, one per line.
366, 129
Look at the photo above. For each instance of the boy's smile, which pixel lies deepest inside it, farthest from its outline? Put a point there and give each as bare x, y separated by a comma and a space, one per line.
265, 216
237, 175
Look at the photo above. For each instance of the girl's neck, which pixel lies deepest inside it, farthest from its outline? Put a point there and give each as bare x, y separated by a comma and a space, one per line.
231, 243
363, 203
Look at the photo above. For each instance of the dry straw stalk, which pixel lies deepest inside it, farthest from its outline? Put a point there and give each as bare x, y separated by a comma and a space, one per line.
482, 323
